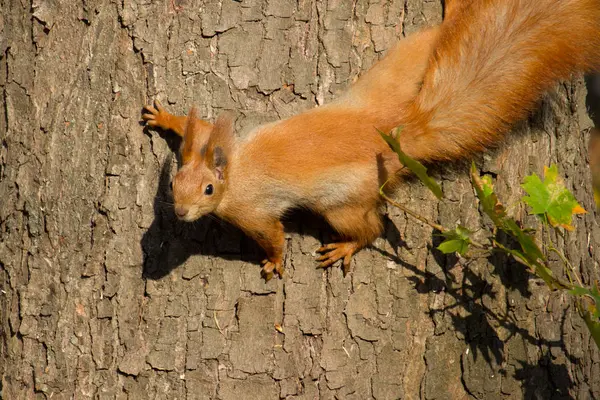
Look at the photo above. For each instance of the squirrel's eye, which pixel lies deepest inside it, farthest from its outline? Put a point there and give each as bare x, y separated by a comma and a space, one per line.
171, 184
209, 190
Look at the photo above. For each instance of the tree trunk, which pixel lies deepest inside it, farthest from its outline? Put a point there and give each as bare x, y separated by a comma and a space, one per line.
106, 295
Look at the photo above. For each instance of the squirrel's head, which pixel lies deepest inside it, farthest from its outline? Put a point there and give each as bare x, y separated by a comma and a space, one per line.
200, 183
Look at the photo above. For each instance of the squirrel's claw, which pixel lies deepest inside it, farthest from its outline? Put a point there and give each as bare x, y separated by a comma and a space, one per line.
337, 251
159, 106
152, 111
155, 109
269, 269
149, 115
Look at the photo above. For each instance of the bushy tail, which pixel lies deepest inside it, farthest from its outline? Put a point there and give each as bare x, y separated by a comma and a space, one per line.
490, 67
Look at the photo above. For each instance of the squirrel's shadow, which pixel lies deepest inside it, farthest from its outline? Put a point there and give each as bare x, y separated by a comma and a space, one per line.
169, 242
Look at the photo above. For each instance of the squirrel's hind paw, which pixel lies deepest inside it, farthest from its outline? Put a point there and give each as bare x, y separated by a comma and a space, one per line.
337, 251
269, 269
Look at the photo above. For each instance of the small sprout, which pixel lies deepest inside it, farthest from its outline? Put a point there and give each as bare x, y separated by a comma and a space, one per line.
487, 197
549, 200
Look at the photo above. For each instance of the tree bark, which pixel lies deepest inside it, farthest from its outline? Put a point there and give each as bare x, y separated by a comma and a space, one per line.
106, 295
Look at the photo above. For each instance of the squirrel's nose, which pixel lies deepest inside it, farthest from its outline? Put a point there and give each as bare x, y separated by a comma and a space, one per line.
181, 211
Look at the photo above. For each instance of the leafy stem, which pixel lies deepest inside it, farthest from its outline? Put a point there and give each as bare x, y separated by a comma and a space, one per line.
548, 199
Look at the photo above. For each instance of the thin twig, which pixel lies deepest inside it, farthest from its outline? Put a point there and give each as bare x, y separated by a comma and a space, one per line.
426, 221
414, 214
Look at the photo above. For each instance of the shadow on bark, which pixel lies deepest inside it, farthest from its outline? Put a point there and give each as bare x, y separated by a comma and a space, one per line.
546, 380
478, 324
592, 100
514, 276
168, 242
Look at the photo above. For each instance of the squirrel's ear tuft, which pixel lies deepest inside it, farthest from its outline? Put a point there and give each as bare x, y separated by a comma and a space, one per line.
194, 137
220, 145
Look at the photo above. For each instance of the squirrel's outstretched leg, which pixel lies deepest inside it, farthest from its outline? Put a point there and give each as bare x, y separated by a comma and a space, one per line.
268, 233
157, 117
358, 227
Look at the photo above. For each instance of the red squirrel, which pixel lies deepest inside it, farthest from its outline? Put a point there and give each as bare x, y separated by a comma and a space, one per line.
455, 89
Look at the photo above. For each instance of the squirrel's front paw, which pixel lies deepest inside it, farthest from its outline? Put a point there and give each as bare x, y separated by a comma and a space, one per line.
270, 268
156, 116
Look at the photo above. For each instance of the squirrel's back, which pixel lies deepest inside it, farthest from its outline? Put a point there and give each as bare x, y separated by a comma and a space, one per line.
491, 66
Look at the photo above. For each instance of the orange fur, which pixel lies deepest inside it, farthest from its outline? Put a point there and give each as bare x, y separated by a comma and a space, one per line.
192, 140
490, 68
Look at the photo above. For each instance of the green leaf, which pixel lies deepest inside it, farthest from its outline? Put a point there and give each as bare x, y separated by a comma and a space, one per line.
551, 199
413, 165
594, 294
579, 291
545, 273
463, 232
487, 186
591, 316
457, 241
453, 246
593, 327
531, 252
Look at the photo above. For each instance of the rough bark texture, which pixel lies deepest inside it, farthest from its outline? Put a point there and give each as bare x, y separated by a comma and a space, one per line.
105, 295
